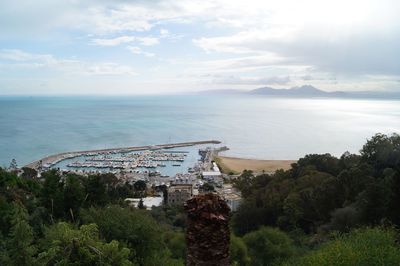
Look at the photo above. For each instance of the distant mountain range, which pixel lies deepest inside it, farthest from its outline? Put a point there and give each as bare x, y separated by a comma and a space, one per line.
306, 91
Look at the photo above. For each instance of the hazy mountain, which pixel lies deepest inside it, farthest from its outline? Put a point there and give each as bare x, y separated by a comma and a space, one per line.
306, 91
302, 91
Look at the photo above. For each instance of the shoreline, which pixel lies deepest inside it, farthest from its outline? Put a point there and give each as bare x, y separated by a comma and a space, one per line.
237, 165
55, 158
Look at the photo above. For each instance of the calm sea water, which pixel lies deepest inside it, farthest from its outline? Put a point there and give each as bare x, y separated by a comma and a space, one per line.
252, 127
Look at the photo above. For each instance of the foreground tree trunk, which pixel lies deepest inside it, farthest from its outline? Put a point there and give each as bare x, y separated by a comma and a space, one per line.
207, 235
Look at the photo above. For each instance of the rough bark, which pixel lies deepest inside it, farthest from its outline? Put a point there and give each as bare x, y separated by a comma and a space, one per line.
207, 235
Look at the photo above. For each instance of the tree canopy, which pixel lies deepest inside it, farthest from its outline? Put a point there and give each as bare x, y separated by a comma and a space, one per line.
323, 211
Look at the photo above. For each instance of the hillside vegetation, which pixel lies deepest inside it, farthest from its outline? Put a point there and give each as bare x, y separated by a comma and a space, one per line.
323, 211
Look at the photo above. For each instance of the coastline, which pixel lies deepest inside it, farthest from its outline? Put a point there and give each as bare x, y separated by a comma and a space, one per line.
237, 165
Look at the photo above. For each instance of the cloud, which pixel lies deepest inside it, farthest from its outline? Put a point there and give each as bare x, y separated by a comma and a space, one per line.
164, 33
15, 58
145, 41
148, 41
21, 56
357, 38
243, 64
243, 41
137, 50
114, 41
109, 69
235, 80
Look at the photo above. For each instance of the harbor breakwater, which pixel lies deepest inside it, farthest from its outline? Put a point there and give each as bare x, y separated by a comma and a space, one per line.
55, 158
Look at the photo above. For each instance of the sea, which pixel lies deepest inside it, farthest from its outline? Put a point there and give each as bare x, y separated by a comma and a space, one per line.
250, 126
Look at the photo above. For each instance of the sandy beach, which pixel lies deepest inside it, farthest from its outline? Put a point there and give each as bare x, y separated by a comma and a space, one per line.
237, 165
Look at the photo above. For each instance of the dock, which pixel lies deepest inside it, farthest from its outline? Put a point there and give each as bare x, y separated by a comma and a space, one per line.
53, 159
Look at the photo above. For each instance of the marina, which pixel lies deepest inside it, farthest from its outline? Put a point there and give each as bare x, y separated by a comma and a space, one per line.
173, 155
148, 159
159, 164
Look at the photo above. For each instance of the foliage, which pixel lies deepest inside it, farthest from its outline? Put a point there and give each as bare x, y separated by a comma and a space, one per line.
172, 216
382, 152
20, 246
267, 246
74, 195
207, 187
140, 185
34, 226
29, 172
52, 194
64, 245
13, 165
322, 192
321, 203
175, 241
362, 247
134, 227
343, 219
238, 252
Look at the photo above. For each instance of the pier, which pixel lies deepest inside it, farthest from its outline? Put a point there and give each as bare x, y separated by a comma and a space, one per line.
53, 159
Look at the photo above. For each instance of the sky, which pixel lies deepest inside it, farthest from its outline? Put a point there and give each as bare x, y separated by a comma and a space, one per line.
173, 46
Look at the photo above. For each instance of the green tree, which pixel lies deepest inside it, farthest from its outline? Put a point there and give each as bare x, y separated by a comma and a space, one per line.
95, 191
394, 199
207, 187
344, 219
20, 246
52, 195
353, 181
13, 165
140, 187
141, 205
4, 258
238, 252
362, 247
136, 228
373, 202
382, 151
64, 245
243, 182
321, 162
29, 172
176, 243
267, 246
74, 195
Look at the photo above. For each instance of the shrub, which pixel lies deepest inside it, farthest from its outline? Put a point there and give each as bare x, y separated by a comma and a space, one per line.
363, 247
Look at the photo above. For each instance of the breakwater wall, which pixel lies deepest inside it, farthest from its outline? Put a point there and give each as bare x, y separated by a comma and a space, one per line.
66, 155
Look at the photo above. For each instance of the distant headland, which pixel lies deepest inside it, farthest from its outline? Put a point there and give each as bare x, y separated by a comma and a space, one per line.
306, 91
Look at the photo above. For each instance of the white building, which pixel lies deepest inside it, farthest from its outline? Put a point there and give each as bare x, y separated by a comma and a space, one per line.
148, 202
233, 201
211, 175
231, 196
215, 167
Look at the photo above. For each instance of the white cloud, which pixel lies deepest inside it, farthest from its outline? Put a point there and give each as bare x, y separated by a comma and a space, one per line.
21, 56
114, 41
365, 51
261, 81
164, 33
148, 41
145, 41
138, 50
352, 40
20, 59
109, 69
241, 64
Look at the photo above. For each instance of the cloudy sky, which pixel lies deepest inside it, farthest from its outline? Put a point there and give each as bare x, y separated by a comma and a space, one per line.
168, 46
